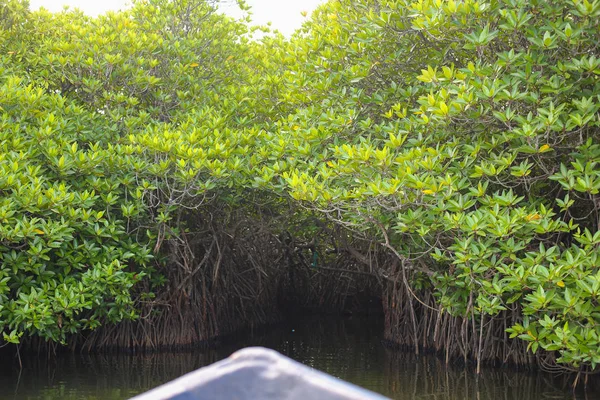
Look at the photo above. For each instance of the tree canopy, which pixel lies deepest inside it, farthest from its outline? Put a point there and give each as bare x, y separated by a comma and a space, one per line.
461, 136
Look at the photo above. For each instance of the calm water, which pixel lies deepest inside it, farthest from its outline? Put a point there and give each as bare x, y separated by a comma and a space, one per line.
348, 348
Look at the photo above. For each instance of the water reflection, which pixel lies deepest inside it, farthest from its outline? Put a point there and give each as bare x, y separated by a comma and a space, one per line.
348, 348
97, 376
409, 377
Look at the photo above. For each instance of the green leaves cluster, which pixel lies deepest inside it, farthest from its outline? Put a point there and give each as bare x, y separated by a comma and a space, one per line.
462, 133
63, 242
86, 109
468, 131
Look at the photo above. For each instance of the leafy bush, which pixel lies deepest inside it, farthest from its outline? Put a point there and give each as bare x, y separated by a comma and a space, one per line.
465, 135
460, 135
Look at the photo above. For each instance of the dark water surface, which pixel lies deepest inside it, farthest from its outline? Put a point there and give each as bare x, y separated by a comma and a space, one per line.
348, 348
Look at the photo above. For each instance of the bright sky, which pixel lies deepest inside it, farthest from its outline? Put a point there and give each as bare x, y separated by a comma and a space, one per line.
283, 14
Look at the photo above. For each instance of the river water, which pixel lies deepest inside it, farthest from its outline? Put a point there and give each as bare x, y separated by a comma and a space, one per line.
348, 348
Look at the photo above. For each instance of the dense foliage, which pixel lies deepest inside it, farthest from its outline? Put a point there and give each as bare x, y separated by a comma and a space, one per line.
461, 137
87, 112
466, 134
